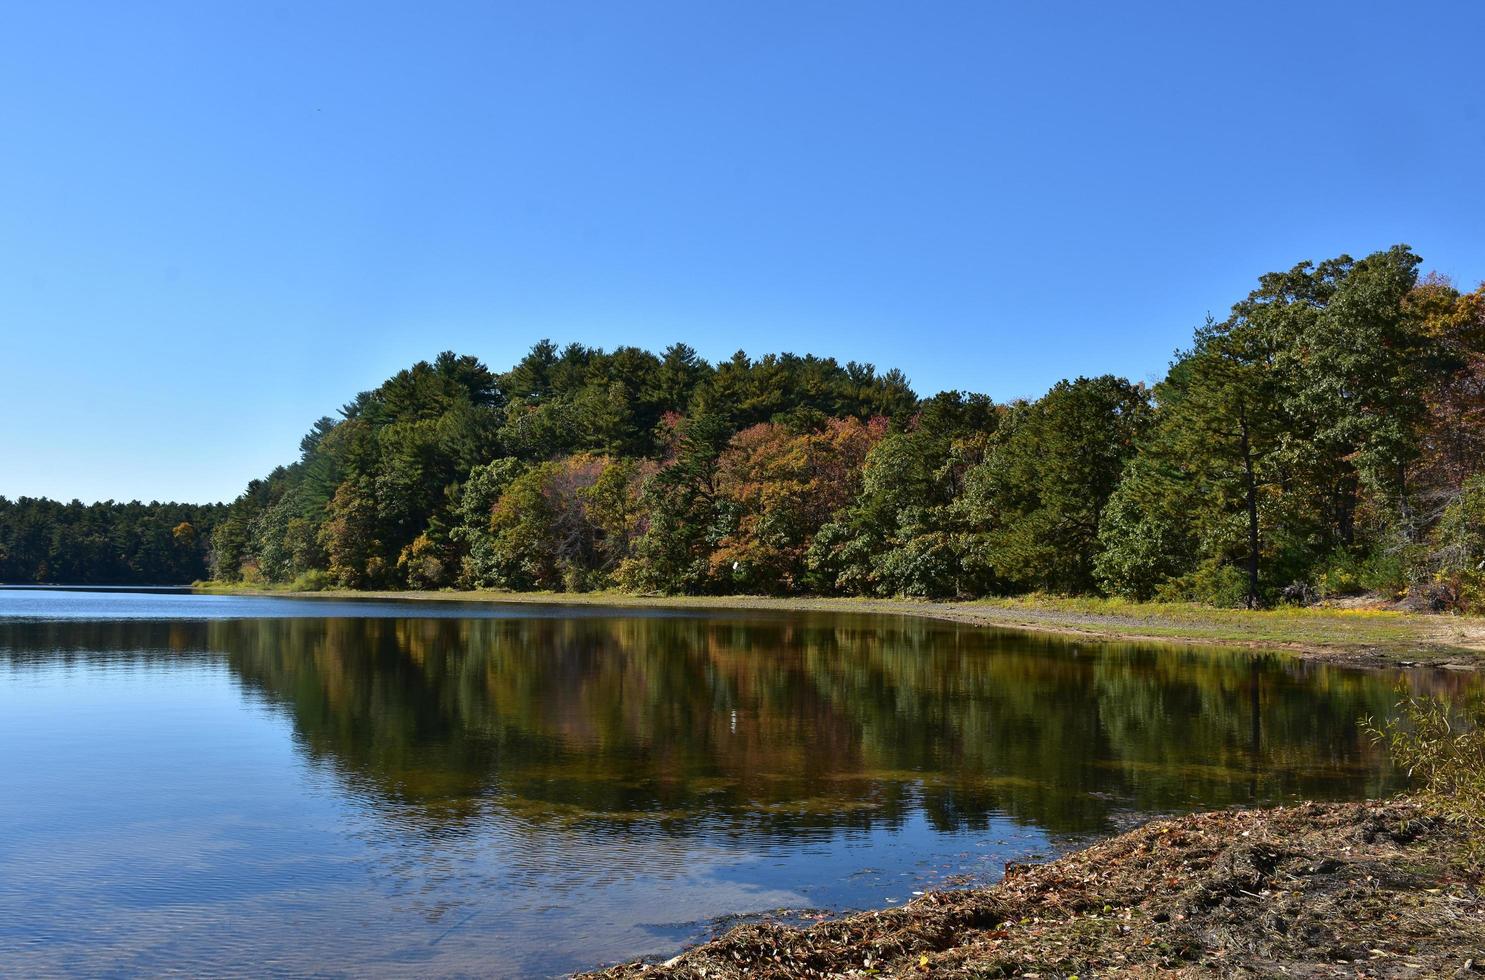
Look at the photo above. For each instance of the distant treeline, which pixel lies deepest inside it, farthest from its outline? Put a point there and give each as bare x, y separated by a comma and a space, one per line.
1325, 438
45, 541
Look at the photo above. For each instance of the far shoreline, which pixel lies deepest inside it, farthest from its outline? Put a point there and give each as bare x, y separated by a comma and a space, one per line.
1357, 637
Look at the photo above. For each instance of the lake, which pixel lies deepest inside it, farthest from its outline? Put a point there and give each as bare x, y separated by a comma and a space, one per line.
231, 784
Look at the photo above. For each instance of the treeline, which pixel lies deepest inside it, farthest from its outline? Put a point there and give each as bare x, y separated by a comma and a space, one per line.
1324, 438
46, 541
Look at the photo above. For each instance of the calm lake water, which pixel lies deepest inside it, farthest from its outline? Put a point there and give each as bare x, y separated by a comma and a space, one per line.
229, 785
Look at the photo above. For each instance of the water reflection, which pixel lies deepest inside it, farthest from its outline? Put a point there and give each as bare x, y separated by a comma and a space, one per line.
798, 725
540, 793
785, 726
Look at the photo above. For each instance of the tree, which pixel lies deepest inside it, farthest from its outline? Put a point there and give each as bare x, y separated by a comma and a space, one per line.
1206, 466
893, 539
542, 533
614, 507
1032, 508
1276, 427
1320, 437
679, 530
355, 554
776, 488
107, 543
1349, 363
682, 371
1450, 435
472, 533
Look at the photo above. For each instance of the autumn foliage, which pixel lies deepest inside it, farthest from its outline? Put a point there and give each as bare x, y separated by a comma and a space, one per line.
1325, 438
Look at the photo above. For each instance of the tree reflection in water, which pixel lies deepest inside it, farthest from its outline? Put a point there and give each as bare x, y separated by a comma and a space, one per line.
535, 794
690, 724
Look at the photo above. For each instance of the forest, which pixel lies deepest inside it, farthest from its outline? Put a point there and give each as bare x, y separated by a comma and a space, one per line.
107, 543
1323, 439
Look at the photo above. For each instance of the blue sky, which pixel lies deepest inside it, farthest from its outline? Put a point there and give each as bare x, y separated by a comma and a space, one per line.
218, 221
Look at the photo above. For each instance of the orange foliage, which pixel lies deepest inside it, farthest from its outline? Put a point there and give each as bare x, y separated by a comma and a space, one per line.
1453, 441
777, 488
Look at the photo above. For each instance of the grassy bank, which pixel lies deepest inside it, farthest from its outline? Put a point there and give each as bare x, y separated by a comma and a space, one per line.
1372, 637
1349, 889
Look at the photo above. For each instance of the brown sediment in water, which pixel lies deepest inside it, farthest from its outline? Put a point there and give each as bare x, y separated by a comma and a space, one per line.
1377, 889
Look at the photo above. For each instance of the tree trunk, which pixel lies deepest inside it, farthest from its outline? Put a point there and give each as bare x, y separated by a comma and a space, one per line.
1346, 495
1252, 494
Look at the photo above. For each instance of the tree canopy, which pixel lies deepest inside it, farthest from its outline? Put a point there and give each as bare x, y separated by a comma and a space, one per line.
1325, 436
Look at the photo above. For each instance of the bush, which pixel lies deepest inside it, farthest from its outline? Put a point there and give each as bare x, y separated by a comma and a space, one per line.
1442, 747
423, 563
1213, 583
576, 578
1453, 574
1351, 572
1140, 548
313, 580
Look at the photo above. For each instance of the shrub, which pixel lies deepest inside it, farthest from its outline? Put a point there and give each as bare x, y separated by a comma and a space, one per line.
1352, 572
313, 580
1213, 582
1441, 745
576, 578
423, 563
1457, 547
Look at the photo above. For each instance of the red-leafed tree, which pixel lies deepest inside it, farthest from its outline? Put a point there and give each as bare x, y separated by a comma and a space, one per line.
776, 489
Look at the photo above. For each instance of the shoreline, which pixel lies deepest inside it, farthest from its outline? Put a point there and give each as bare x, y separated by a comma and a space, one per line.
1355, 637
1379, 889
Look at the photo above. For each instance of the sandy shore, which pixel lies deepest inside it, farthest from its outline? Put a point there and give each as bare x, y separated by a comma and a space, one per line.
1362, 637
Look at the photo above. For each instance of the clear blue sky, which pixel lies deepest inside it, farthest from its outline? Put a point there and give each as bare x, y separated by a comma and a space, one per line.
219, 221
